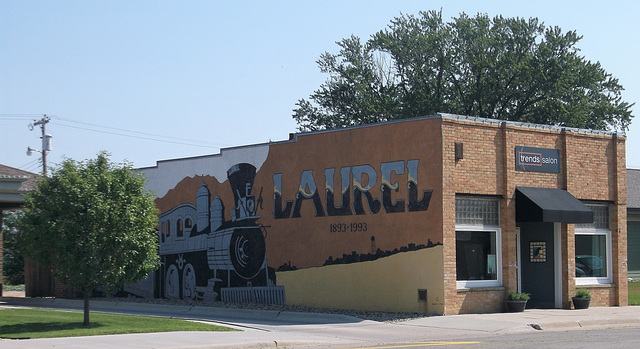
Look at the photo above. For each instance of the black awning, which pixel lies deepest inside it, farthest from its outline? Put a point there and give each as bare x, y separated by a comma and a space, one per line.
550, 205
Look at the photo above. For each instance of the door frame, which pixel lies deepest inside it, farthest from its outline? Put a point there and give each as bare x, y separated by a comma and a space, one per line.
518, 256
557, 250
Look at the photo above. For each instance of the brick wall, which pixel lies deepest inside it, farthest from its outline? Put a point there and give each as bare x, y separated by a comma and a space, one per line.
480, 171
601, 295
568, 241
485, 300
592, 169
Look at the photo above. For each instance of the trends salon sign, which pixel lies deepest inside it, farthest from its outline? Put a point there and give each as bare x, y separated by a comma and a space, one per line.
537, 159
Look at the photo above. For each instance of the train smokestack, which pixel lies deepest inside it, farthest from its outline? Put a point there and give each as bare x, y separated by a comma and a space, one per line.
241, 178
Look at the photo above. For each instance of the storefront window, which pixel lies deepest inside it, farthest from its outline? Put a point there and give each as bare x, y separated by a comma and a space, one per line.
593, 248
591, 256
476, 255
478, 252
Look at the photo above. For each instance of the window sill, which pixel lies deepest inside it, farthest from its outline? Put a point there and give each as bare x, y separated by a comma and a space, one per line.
478, 284
593, 282
592, 286
481, 289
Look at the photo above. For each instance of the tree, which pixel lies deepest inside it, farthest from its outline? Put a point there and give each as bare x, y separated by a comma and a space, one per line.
93, 223
13, 262
501, 68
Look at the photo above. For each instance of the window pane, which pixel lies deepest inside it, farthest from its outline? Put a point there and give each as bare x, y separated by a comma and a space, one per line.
591, 255
476, 255
477, 212
600, 217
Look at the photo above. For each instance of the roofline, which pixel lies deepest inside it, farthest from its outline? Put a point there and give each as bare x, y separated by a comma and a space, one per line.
477, 119
220, 153
445, 116
531, 125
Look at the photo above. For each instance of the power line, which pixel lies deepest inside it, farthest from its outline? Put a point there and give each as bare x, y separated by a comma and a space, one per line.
28, 164
34, 165
32, 168
12, 118
61, 121
145, 135
138, 137
21, 115
162, 137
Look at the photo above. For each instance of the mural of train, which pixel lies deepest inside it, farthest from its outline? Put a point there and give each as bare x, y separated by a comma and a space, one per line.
203, 255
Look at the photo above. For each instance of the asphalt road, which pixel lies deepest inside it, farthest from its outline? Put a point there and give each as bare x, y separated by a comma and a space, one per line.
616, 327
602, 338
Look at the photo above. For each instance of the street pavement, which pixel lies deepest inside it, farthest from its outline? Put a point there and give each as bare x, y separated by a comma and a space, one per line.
274, 329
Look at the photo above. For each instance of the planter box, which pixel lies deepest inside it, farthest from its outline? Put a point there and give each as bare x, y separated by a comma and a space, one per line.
581, 303
516, 306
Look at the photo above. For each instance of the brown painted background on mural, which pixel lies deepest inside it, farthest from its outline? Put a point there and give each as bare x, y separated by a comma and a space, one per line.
307, 241
185, 193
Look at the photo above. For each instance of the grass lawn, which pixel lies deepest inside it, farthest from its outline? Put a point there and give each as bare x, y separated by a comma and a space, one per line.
634, 293
13, 288
38, 323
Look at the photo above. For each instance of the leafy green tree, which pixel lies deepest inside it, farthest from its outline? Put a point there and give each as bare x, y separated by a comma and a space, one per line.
94, 223
13, 262
501, 68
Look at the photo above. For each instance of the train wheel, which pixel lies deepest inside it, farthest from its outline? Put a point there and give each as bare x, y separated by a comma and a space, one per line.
189, 282
172, 283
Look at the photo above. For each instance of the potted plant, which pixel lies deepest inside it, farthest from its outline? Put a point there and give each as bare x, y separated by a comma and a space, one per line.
517, 302
581, 299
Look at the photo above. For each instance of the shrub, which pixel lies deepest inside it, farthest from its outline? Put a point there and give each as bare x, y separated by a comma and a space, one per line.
583, 293
518, 296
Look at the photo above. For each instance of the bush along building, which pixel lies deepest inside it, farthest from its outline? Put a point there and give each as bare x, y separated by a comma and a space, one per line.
441, 214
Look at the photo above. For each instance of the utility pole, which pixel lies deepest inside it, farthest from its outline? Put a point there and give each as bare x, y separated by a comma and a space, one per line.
46, 141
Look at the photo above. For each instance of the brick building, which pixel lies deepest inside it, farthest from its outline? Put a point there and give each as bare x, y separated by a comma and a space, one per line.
438, 214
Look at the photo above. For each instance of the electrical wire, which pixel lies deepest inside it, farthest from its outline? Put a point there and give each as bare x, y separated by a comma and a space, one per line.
137, 132
14, 118
28, 164
61, 121
21, 115
11, 119
34, 166
138, 137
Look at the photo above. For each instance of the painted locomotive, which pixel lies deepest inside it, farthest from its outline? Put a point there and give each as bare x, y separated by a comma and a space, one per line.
201, 253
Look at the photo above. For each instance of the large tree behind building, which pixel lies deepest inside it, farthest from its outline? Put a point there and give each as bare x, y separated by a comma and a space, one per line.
501, 68
93, 223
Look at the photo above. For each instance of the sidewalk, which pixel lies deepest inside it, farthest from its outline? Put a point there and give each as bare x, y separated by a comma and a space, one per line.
277, 329
543, 319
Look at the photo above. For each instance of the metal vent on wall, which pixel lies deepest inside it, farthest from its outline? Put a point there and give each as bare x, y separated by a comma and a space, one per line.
422, 295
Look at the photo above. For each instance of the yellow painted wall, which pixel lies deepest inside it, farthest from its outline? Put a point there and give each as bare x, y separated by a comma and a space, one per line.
386, 284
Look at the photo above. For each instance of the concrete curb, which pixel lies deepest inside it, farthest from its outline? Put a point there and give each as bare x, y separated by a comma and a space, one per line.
590, 324
185, 311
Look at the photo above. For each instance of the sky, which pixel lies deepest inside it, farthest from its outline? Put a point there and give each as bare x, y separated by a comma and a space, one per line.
156, 80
